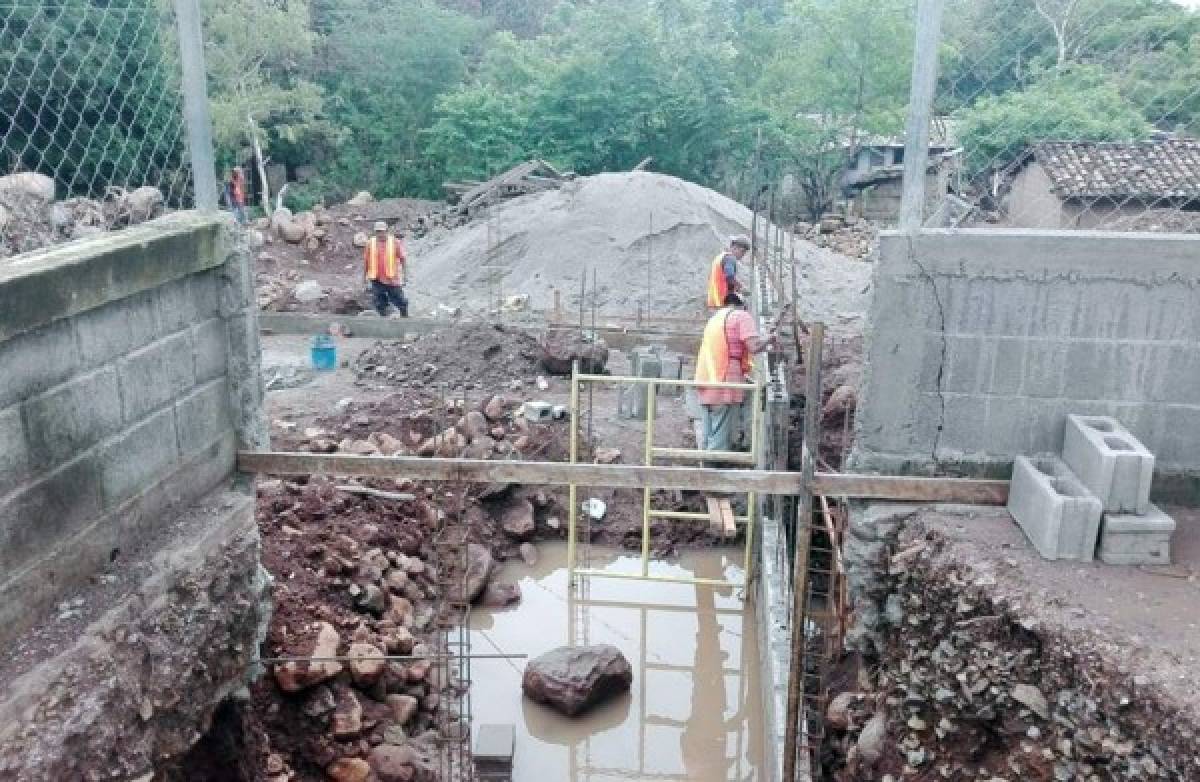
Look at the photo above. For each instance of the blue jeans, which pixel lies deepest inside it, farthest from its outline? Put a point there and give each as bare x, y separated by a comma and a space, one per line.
385, 294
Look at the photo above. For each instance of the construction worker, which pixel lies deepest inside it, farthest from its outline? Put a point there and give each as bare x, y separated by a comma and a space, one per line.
235, 193
730, 340
722, 277
383, 266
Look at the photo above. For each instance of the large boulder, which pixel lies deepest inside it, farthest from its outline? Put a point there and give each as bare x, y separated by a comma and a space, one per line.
479, 570
571, 679
296, 676
362, 198
517, 520
144, 203
27, 186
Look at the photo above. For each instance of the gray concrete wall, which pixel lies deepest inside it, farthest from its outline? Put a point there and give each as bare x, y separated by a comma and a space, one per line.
130, 377
981, 341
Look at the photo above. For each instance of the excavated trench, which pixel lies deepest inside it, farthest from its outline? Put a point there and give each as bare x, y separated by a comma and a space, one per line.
974, 659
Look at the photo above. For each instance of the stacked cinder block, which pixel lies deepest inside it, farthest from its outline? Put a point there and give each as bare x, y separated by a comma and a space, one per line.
1099, 489
1118, 469
648, 362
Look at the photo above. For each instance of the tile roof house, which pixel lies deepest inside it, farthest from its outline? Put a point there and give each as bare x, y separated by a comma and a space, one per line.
1086, 184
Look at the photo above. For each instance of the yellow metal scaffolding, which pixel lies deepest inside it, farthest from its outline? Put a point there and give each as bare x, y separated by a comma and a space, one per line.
651, 452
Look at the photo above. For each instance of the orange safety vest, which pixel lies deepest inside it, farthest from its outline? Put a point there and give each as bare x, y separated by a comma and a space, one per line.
391, 269
712, 364
718, 286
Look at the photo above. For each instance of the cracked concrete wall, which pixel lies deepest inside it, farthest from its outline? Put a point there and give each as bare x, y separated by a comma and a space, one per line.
980, 342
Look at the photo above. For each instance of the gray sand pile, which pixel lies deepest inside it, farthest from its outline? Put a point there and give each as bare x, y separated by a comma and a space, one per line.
648, 236
629, 227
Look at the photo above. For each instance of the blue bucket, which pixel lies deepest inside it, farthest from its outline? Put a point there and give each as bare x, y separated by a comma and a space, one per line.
324, 353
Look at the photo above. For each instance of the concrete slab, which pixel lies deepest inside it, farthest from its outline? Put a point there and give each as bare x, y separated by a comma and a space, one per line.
1129, 539
1057, 513
1110, 461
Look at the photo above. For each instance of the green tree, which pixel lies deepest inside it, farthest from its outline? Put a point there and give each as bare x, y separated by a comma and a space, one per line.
384, 66
1077, 104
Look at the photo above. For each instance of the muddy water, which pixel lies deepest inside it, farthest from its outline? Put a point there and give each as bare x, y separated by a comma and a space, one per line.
694, 712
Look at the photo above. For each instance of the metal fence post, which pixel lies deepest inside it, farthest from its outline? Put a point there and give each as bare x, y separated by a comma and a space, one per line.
195, 104
920, 112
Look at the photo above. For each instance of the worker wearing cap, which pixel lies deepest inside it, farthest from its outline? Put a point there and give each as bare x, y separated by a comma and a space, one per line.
722, 277
730, 341
383, 266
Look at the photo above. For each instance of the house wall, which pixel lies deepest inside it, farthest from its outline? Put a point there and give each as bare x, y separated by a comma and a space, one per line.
1032, 204
979, 343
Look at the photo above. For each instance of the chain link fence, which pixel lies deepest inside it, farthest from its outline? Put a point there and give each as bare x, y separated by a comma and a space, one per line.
92, 124
1065, 114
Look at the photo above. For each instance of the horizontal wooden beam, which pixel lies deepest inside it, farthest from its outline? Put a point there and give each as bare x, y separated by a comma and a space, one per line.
617, 476
911, 489
628, 476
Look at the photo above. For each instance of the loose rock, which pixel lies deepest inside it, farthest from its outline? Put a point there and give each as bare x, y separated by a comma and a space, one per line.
572, 679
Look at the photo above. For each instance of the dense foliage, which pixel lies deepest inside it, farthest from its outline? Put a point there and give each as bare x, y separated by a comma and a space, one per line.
399, 96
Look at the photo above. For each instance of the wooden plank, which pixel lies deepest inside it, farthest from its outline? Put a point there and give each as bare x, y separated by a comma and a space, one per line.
623, 476
715, 523
728, 524
618, 476
911, 489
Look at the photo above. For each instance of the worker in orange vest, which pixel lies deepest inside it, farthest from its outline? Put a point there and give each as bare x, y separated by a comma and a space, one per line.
722, 277
383, 266
235, 193
726, 356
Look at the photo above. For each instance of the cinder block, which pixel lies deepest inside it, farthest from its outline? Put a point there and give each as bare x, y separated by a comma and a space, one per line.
72, 417
210, 344
1128, 539
116, 328
33, 362
34, 520
631, 400
138, 458
1110, 462
1057, 513
538, 411
202, 417
14, 453
187, 300
154, 375
493, 752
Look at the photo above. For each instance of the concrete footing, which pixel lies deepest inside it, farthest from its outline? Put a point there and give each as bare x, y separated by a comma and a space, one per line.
1057, 513
134, 687
1110, 462
1129, 539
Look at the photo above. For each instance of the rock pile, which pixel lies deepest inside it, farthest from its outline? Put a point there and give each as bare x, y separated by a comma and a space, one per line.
31, 218
467, 355
356, 585
968, 689
850, 236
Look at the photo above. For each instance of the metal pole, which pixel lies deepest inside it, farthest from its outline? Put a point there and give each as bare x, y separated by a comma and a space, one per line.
812, 440
572, 492
920, 112
195, 104
651, 412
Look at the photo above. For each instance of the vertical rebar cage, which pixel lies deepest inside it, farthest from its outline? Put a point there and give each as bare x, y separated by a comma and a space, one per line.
652, 452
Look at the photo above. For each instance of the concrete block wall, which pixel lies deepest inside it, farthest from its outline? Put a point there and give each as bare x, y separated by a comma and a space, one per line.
979, 343
130, 378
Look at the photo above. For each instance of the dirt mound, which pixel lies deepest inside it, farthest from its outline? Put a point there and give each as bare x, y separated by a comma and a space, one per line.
464, 356
636, 229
